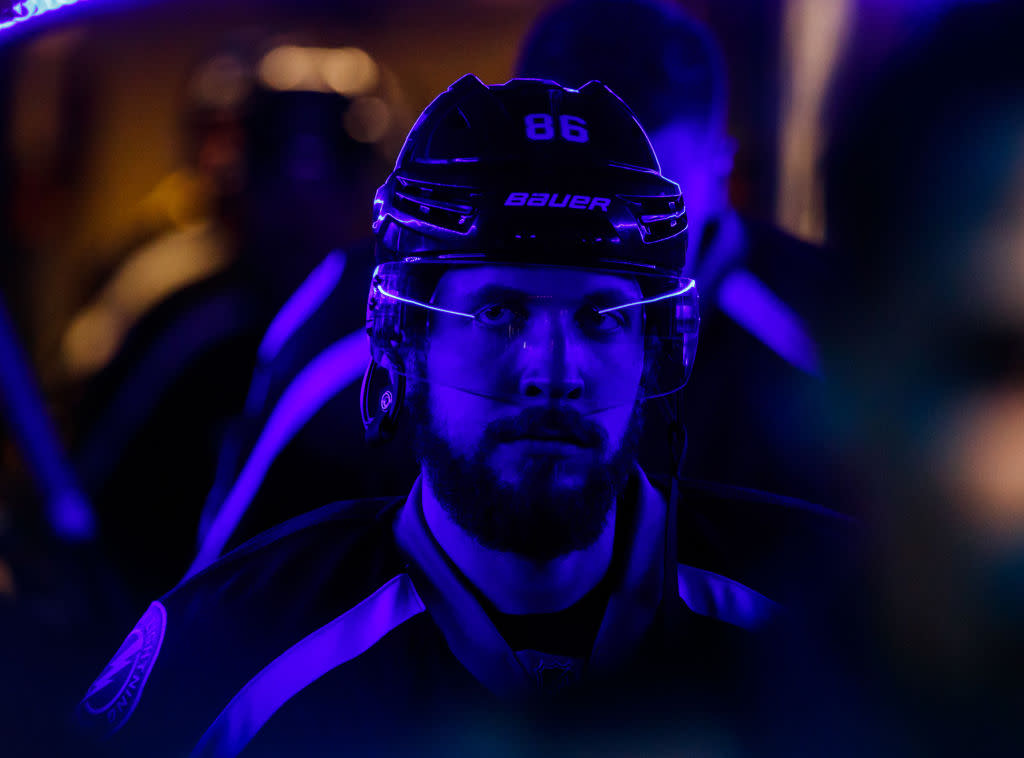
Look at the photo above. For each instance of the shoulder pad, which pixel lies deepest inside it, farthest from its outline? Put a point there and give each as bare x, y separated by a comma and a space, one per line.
774, 544
214, 630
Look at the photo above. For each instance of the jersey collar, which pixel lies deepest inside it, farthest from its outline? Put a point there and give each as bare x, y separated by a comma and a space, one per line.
637, 588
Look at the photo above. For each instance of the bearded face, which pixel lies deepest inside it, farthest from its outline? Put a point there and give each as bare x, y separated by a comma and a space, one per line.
527, 413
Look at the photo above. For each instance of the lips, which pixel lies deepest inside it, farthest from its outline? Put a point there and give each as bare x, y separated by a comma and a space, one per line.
546, 447
554, 436
547, 429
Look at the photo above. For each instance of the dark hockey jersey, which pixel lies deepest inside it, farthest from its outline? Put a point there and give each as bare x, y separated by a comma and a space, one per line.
348, 630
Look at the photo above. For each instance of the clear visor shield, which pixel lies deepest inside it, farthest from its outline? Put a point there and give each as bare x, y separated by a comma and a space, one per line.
598, 338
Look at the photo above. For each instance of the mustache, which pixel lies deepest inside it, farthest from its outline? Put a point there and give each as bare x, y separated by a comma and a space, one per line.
547, 423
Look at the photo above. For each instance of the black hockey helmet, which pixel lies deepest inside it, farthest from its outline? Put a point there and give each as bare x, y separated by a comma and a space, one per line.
529, 173
524, 170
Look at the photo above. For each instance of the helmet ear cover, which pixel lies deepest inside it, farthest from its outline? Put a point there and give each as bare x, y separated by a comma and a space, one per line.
381, 400
394, 329
663, 356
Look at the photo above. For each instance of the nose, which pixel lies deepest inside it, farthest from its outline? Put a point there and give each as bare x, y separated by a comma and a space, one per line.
551, 359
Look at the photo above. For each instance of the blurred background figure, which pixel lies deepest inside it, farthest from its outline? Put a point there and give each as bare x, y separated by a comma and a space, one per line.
165, 200
760, 288
925, 351
274, 173
163, 354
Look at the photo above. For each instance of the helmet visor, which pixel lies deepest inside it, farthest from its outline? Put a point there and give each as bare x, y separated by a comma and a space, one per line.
596, 337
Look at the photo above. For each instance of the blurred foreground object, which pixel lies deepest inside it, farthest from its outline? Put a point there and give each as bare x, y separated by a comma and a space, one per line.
926, 348
272, 167
67, 510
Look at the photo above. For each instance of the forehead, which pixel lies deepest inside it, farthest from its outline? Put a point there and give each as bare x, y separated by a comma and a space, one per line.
463, 283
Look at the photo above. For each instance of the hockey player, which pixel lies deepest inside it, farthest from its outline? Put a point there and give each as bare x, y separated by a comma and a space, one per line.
528, 302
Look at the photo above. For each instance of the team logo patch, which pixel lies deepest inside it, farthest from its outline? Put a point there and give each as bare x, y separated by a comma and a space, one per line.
114, 695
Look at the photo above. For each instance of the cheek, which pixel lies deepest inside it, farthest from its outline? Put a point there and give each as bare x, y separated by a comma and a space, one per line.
616, 387
615, 422
458, 417
459, 358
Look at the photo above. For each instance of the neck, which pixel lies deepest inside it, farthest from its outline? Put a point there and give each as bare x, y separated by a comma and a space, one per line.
514, 583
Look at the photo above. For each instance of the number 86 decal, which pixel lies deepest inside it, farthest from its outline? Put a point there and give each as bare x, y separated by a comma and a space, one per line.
541, 126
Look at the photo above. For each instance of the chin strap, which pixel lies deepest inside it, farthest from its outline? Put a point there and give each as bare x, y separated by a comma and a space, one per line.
677, 444
677, 438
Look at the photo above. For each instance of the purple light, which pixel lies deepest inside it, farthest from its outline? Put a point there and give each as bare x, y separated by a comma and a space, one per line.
750, 303
307, 298
331, 371
28, 9
666, 296
339, 641
689, 286
420, 304
652, 218
446, 161
67, 509
722, 598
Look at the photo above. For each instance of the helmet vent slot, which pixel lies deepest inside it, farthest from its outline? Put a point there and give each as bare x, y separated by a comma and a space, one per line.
449, 207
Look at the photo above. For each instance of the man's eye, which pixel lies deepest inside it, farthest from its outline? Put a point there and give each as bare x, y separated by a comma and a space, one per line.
497, 314
591, 319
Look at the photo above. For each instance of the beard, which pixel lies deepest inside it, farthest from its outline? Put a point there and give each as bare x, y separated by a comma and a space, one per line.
536, 516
